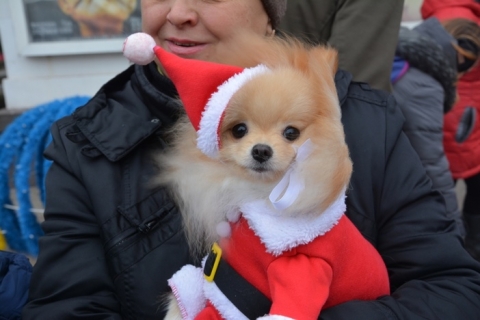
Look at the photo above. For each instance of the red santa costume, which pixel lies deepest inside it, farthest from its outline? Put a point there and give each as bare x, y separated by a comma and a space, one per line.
302, 264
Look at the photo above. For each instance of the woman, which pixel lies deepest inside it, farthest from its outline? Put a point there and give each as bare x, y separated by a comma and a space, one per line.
462, 127
111, 242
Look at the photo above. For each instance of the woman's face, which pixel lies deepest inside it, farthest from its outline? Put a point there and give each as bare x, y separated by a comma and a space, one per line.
201, 29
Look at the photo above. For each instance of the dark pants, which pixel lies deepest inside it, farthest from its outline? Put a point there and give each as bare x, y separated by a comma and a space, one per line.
471, 204
365, 33
471, 216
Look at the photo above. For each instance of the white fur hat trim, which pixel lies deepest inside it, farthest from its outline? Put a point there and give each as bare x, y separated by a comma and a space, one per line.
207, 134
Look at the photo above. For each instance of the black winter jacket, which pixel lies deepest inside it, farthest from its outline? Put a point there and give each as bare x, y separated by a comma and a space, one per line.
112, 241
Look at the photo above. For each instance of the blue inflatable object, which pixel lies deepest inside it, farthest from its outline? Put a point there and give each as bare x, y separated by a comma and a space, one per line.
21, 147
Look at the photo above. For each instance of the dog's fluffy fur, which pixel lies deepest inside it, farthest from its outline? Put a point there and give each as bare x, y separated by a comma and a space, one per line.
299, 93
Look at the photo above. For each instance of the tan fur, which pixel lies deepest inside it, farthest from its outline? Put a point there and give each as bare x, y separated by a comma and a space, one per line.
300, 92
173, 311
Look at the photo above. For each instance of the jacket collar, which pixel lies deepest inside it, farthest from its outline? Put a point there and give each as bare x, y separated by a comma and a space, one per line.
119, 117
342, 83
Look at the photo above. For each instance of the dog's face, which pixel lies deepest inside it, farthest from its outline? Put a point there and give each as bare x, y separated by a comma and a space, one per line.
273, 115
263, 123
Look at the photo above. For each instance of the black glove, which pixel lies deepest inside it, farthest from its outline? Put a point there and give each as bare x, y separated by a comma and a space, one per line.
466, 125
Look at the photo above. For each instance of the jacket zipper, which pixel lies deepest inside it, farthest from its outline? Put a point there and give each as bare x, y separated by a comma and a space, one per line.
131, 234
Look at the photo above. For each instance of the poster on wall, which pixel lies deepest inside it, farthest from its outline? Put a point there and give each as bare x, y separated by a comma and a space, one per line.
56, 27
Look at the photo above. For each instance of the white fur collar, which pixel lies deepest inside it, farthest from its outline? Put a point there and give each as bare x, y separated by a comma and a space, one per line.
280, 233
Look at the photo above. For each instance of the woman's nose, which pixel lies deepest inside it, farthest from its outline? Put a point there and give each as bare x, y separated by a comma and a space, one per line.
183, 13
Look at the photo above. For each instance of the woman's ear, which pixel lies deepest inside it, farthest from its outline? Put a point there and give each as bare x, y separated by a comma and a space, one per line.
270, 31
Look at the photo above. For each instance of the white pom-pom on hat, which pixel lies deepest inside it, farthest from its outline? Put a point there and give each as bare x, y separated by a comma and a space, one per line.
138, 48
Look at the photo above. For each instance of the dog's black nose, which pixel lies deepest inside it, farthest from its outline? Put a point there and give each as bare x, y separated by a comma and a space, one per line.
262, 152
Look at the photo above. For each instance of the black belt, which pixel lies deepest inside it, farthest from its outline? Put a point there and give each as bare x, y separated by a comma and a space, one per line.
248, 299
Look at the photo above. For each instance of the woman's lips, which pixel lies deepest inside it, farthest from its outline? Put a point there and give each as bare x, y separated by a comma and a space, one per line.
184, 48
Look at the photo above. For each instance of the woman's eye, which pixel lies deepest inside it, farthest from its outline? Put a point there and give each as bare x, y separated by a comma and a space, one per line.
291, 133
239, 130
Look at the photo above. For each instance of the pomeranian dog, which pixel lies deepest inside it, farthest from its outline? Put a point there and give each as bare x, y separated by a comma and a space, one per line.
265, 123
274, 194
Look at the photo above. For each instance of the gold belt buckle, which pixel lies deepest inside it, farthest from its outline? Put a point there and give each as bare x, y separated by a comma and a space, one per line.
218, 254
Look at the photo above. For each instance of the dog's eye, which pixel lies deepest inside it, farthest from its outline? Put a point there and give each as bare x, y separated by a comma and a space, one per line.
291, 133
239, 130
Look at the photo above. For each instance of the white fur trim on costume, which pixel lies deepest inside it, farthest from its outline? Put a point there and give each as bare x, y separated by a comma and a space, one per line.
274, 317
187, 287
280, 233
223, 305
207, 139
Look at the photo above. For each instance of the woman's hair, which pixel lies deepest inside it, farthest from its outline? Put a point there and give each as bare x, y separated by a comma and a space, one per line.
467, 34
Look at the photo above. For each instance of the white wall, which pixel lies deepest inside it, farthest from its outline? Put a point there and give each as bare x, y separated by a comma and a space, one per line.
32, 81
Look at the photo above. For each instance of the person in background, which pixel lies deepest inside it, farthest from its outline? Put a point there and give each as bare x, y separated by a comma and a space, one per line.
364, 33
15, 273
111, 240
461, 125
424, 78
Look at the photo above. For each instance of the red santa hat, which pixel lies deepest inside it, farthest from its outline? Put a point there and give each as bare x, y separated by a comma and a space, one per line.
205, 88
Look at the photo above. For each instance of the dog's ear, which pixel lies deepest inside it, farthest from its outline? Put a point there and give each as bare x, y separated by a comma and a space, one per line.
326, 55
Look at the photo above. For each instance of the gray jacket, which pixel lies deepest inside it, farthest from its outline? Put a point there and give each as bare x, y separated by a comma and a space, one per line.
424, 94
420, 97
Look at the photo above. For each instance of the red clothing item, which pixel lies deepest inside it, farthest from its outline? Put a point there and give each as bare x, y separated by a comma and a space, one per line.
464, 158
333, 268
448, 9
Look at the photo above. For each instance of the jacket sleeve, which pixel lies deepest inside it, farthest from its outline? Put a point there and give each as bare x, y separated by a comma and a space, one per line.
70, 279
431, 274
364, 32
420, 98
287, 284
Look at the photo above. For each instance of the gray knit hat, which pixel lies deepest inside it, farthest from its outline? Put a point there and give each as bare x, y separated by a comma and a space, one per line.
275, 10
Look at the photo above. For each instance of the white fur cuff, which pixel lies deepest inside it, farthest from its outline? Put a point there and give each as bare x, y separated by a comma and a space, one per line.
187, 287
274, 317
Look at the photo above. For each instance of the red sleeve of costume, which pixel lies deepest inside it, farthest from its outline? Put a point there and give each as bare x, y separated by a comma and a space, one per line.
299, 286
449, 9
